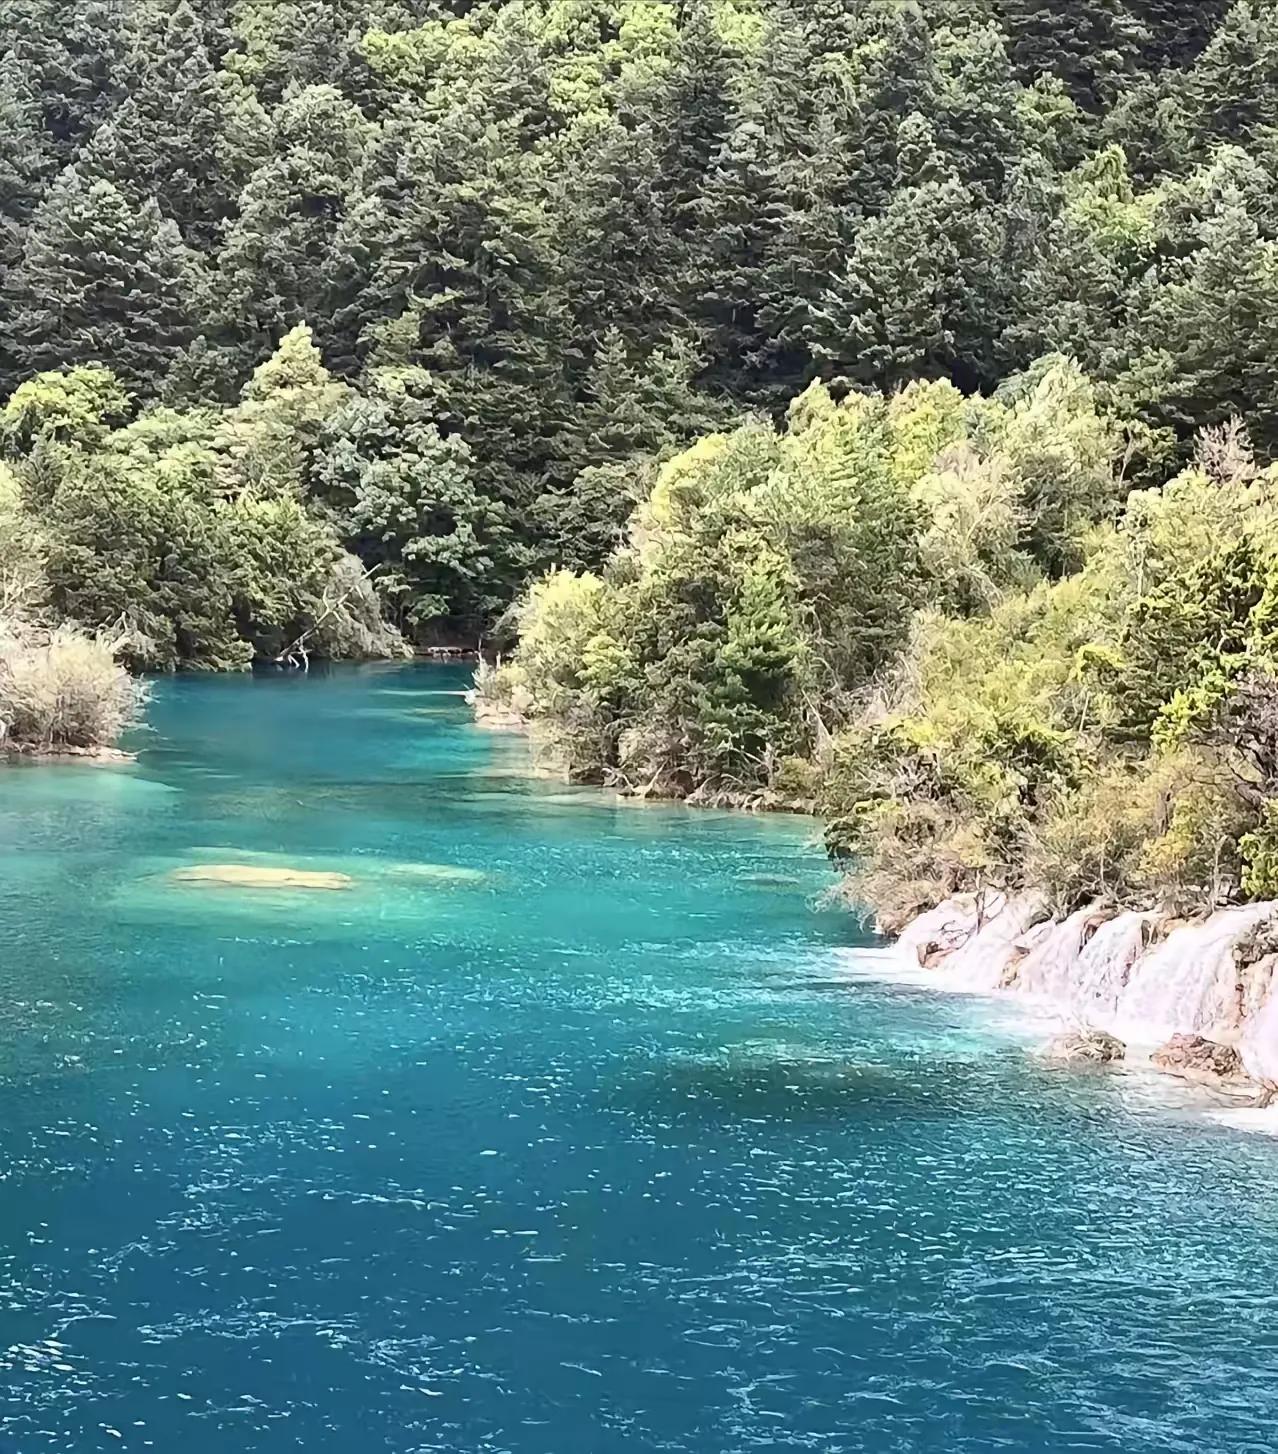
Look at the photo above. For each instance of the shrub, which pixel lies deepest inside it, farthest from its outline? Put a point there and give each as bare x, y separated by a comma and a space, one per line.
63, 688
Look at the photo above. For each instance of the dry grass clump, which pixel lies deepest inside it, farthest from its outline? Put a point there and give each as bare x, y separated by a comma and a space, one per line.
62, 688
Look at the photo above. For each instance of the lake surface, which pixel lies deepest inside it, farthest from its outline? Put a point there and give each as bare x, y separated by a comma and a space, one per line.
555, 1133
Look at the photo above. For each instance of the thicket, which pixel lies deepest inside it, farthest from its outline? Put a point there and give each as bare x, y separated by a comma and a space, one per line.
771, 577
874, 613
60, 686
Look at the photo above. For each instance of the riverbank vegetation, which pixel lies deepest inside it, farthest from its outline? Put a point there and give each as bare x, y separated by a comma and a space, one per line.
1041, 688
62, 688
838, 401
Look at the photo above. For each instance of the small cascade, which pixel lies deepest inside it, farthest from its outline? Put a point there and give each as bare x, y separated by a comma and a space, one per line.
1189, 982
1259, 1044
1051, 969
947, 927
986, 961
1106, 964
1096, 968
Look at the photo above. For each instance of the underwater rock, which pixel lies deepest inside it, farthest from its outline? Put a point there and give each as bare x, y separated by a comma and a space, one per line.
254, 876
65, 752
1092, 1047
438, 873
1197, 1058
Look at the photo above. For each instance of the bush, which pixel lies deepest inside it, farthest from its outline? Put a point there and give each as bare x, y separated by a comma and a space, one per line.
62, 688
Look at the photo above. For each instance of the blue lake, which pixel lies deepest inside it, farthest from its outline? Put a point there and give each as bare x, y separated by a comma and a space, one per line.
554, 1132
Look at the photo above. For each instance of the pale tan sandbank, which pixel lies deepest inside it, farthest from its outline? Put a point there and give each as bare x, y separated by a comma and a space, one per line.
254, 876
248, 869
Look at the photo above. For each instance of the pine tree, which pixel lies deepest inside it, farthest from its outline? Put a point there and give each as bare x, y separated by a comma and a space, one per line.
819, 212
1231, 93
745, 716
737, 215
100, 281
1176, 31
1094, 46
914, 298
635, 409
276, 269
466, 282
691, 122
24, 160
1078, 269
167, 138
975, 115
290, 43
603, 203
894, 74
1212, 332
74, 56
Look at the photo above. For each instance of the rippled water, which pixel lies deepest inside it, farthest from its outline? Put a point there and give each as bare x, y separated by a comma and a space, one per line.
585, 1150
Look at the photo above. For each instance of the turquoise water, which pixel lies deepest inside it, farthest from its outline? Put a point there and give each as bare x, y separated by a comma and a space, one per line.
554, 1132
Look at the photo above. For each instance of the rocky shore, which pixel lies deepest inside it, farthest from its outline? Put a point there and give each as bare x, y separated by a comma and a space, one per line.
1194, 998
63, 752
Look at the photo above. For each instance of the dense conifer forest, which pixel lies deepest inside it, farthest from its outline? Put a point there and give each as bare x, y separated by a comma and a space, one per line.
864, 404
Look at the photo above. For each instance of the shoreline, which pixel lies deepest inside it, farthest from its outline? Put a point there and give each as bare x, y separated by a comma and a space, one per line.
494, 718
1012, 950
34, 753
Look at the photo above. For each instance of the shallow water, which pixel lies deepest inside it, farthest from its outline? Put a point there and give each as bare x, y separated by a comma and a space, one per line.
589, 1149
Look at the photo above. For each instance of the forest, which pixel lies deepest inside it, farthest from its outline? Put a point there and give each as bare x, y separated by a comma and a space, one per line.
860, 405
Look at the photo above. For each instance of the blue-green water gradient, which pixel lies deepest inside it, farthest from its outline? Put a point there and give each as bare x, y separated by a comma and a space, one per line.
556, 1132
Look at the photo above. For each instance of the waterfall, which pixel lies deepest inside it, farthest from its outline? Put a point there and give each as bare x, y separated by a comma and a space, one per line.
1050, 969
1259, 1043
986, 961
1189, 982
947, 927
1106, 963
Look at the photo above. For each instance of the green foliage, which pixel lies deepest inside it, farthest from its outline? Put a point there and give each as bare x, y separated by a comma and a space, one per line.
1259, 850
188, 534
769, 578
820, 348
404, 500
1110, 735
606, 227
79, 406
99, 281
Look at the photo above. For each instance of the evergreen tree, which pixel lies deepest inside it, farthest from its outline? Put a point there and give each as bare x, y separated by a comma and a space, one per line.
818, 215
466, 280
276, 269
1094, 46
1213, 332
100, 281
737, 217
1231, 93
24, 160
74, 55
916, 296
1175, 32
166, 140
290, 43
